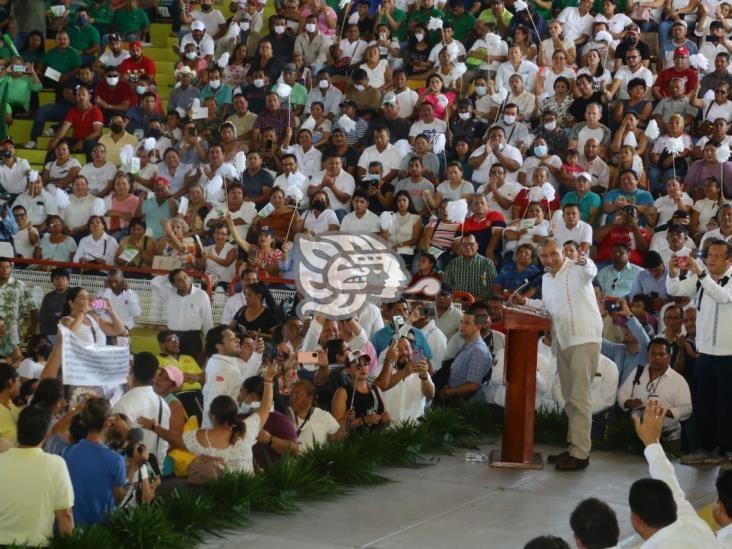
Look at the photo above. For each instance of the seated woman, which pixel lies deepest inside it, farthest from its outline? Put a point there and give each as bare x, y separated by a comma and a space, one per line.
22, 80
229, 142
283, 219
454, 188
417, 53
26, 238
314, 425
62, 171
197, 210
529, 230
406, 228
255, 316
121, 205
176, 243
540, 191
318, 124
136, 249
436, 95
55, 245
439, 237
519, 270
263, 256
319, 218
219, 259
449, 72
231, 438
430, 162
628, 160
99, 246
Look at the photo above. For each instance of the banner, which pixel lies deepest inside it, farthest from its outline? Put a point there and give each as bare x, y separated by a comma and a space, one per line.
92, 365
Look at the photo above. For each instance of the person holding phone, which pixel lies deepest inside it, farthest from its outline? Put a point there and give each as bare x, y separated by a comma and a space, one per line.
411, 385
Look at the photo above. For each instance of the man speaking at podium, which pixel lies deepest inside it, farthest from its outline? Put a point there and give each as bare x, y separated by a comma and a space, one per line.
569, 298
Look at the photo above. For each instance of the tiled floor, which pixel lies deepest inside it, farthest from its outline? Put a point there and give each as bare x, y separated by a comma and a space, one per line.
459, 504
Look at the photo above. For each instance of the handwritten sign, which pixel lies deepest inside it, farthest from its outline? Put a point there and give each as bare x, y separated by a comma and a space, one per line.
92, 364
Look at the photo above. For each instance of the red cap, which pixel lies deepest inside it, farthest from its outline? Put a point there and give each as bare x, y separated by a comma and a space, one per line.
136, 43
681, 51
162, 181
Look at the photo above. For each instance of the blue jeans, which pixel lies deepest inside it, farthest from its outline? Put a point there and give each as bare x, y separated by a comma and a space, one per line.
55, 112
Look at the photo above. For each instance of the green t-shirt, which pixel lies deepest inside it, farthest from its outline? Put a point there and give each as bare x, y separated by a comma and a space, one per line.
461, 26
422, 16
19, 89
400, 17
126, 22
487, 16
559, 5
298, 95
5, 53
62, 60
84, 38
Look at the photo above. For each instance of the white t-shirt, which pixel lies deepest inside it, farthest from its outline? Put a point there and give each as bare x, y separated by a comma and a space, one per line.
219, 273
232, 306
582, 232
212, 20
716, 111
390, 158
532, 162
666, 207
108, 59
13, 179
625, 75
345, 183
320, 224
369, 223
480, 174
450, 193
509, 190
23, 247
30, 369
98, 177
316, 428
430, 130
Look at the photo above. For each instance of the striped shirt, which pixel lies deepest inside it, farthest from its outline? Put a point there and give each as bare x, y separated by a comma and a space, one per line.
475, 275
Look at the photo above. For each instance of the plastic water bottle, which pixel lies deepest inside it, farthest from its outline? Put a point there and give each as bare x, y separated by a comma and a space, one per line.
475, 457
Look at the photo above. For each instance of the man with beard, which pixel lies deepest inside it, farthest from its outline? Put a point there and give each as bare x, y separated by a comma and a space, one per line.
410, 386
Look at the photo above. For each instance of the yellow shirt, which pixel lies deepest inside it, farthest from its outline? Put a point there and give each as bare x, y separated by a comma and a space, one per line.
113, 148
187, 365
8, 422
40, 485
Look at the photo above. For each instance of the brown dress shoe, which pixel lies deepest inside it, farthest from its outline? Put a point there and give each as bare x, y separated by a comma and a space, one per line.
556, 458
571, 463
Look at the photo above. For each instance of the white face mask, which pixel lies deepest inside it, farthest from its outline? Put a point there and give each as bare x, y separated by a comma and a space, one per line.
481, 90
113, 81
279, 29
509, 119
419, 37
359, 87
550, 126
310, 27
464, 115
244, 25
215, 84
141, 90
324, 84
258, 83
191, 55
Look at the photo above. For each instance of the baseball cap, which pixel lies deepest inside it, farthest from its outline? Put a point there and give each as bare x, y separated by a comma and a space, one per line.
161, 181
390, 98
114, 37
135, 44
678, 228
680, 22
7, 140
291, 67
266, 230
198, 25
631, 26
682, 51
175, 375
584, 175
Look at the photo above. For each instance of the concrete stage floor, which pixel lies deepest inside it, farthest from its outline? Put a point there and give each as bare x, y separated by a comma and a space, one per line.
457, 504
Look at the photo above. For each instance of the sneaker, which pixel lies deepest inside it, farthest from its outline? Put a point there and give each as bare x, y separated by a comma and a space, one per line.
29, 144
695, 458
49, 132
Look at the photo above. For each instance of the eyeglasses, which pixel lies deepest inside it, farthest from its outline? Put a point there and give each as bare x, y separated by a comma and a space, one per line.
632, 57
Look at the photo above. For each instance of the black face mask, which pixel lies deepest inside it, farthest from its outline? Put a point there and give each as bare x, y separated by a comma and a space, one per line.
318, 205
206, 8
116, 128
156, 134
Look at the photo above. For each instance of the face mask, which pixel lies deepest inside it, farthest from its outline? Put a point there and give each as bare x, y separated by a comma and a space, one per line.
191, 55
509, 119
464, 115
244, 25
540, 150
310, 27
116, 128
113, 81
324, 84
279, 29
419, 37
140, 90
81, 21
359, 87
157, 134
215, 84
258, 83
247, 408
481, 90
205, 7
550, 126
318, 205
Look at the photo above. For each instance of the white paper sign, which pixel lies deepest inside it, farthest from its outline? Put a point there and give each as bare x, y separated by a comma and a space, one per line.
183, 208
129, 254
199, 112
135, 166
53, 74
93, 365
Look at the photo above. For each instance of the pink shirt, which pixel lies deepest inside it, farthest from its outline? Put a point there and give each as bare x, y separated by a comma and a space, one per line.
325, 13
128, 205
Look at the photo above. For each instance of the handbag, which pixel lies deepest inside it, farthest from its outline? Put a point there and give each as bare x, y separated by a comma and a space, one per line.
204, 469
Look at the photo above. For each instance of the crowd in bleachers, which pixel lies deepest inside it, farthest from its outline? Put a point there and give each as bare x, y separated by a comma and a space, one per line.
465, 134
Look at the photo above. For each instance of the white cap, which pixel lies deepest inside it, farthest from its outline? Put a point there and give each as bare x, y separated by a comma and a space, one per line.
584, 175
198, 25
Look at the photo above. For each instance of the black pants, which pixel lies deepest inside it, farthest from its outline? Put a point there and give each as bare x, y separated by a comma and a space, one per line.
713, 420
190, 343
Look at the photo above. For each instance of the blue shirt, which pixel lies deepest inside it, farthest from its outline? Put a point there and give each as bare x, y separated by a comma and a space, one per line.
223, 95
638, 198
617, 283
95, 471
646, 284
510, 279
382, 339
472, 364
619, 354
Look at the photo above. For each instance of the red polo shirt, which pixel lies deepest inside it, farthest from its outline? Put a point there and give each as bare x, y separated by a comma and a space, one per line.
622, 235
144, 65
492, 219
689, 76
83, 120
121, 92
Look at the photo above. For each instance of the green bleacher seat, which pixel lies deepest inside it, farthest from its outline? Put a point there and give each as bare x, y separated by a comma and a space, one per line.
159, 34
160, 54
165, 80
35, 156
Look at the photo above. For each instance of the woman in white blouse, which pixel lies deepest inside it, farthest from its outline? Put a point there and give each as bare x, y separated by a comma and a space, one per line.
320, 218
406, 228
545, 79
62, 171
556, 42
711, 109
231, 438
98, 247
377, 69
86, 322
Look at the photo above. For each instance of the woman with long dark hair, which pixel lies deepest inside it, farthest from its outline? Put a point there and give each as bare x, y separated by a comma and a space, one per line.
85, 322
260, 314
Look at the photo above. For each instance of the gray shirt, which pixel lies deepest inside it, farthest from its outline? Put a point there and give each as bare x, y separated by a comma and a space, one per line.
183, 98
415, 191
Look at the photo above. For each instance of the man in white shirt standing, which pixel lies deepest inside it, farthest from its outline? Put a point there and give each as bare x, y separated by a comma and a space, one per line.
124, 301
142, 401
711, 289
361, 220
410, 384
568, 296
188, 311
225, 371
571, 227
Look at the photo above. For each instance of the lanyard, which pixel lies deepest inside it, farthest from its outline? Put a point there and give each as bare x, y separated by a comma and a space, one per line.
305, 421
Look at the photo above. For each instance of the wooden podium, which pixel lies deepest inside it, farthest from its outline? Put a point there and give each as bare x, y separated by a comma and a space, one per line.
523, 325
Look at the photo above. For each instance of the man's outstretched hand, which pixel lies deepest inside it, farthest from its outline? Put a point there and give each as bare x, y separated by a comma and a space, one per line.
649, 428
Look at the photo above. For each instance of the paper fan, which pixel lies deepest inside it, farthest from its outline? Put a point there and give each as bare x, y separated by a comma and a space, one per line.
228, 171
293, 191
708, 95
492, 39
32, 175
453, 50
675, 145
722, 153
459, 69
549, 192
283, 90
343, 3
403, 147
438, 145
148, 144
500, 96
630, 140
214, 186
520, 5
652, 132
126, 155
386, 220
435, 23
223, 60
346, 123
233, 31
196, 103
603, 36
353, 18
457, 210
699, 62
62, 199
240, 161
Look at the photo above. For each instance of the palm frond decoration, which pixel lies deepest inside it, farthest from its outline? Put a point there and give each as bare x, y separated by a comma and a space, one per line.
196, 514
144, 527
92, 537
343, 463
234, 490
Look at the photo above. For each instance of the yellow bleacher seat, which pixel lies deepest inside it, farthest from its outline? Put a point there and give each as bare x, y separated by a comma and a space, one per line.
165, 80
159, 33
165, 67
35, 156
160, 54
46, 98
